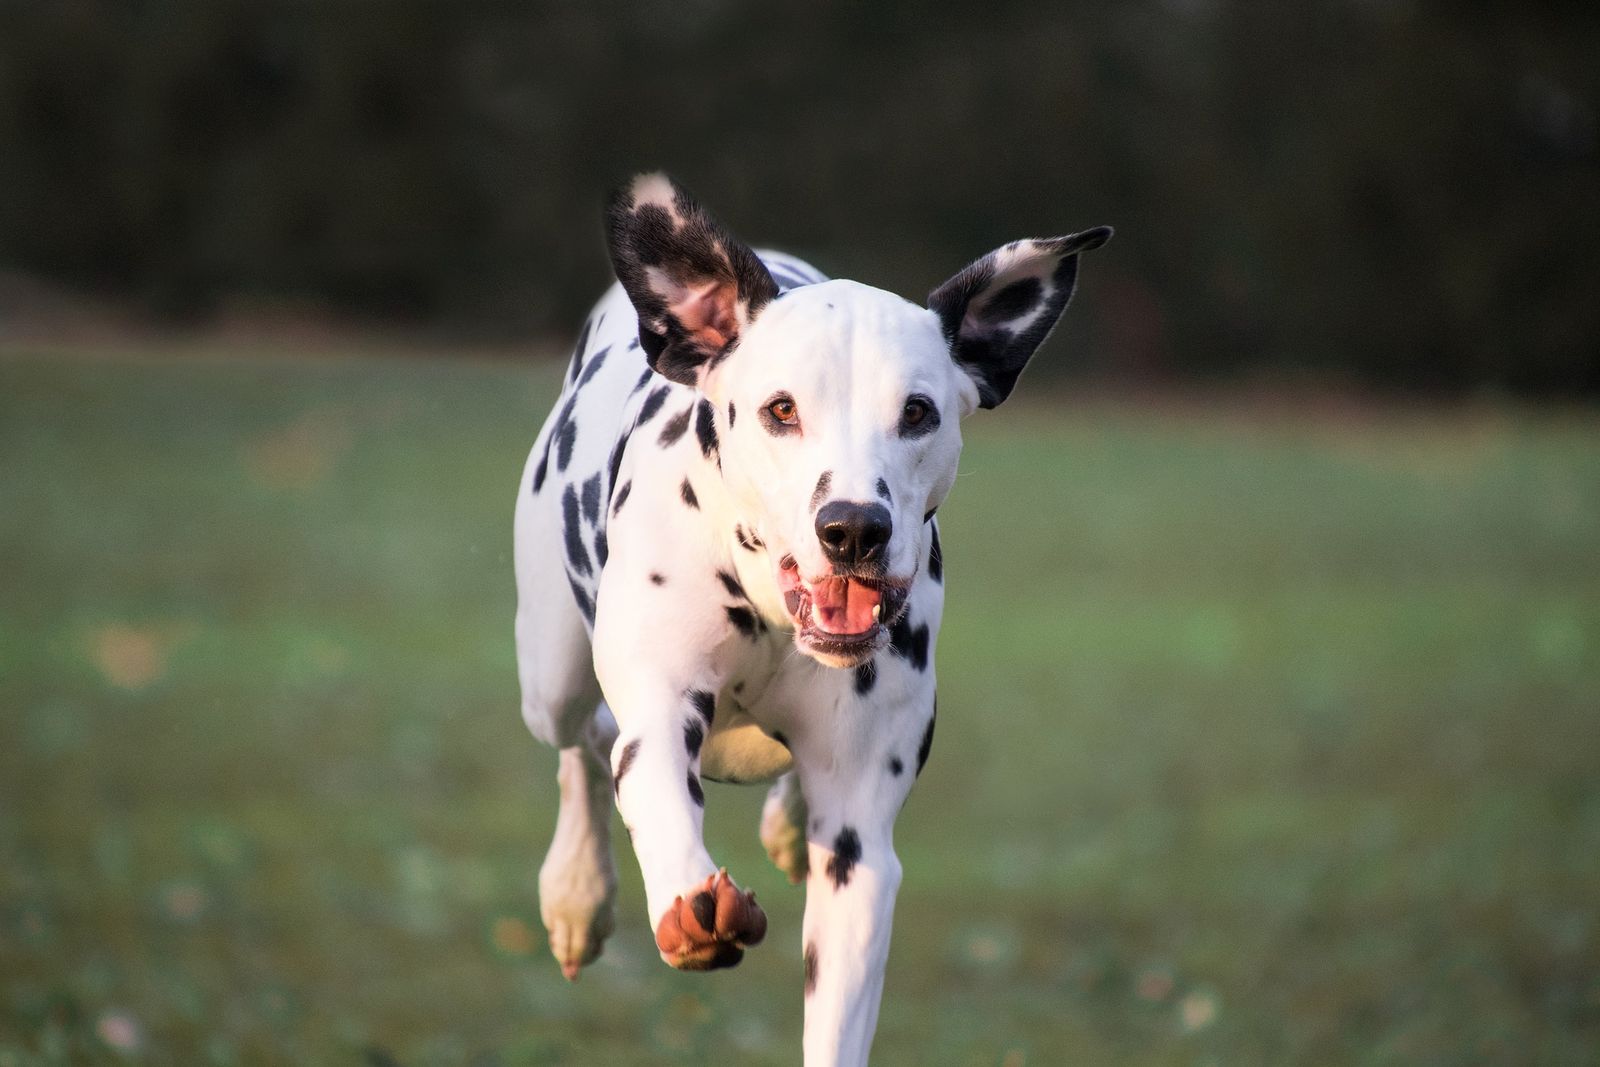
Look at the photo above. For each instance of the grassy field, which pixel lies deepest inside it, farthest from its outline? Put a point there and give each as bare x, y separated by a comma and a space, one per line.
1267, 736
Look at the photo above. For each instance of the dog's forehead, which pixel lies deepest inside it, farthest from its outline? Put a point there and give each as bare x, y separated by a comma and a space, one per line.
846, 319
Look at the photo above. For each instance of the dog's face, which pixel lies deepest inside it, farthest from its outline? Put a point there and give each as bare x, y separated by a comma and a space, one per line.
838, 404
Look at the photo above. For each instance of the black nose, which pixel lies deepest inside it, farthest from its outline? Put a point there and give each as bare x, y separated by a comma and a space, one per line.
853, 534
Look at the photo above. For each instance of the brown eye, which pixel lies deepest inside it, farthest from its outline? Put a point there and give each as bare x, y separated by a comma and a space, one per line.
919, 417
783, 410
915, 411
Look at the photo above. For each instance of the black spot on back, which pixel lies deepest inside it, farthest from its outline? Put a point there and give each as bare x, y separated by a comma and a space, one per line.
675, 428
866, 677
630, 750
621, 496
846, 854
687, 492
705, 428
696, 794
591, 499
705, 702
936, 559
694, 736
564, 443
577, 554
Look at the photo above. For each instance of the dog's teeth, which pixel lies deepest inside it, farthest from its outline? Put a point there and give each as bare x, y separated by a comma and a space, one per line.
877, 612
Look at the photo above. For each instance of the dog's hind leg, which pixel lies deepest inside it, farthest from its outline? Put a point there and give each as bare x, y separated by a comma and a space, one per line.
783, 827
577, 881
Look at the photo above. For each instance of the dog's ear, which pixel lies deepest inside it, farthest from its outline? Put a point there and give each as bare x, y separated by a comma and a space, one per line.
1002, 307
694, 286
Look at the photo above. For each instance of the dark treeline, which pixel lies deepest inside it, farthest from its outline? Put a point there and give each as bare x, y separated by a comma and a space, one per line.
1401, 194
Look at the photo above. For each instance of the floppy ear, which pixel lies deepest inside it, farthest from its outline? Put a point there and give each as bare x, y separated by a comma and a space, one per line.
1002, 307
694, 286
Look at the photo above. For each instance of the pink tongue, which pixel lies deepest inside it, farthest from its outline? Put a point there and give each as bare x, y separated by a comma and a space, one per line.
842, 606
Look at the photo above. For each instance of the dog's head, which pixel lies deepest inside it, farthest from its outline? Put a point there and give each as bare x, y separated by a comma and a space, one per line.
838, 405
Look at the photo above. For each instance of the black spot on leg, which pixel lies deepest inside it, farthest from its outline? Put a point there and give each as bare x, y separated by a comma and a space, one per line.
846, 854
577, 554
811, 968
705, 702
866, 677
539, 471
696, 794
694, 735
687, 492
593, 367
927, 738
581, 598
675, 428
824, 483
621, 496
705, 428
883, 491
936, 559
600, 550
895, 766
615, 466
652, 403
732, 414
630, 750
644, 379
657, 578
591, 499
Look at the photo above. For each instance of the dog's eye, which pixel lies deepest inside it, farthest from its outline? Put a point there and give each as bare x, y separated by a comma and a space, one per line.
918, 417
783, 411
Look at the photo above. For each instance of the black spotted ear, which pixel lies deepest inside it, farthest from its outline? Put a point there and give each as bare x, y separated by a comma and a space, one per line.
694, 286
1002, 307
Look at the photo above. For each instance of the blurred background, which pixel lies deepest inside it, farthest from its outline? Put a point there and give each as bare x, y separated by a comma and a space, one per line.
1271, 667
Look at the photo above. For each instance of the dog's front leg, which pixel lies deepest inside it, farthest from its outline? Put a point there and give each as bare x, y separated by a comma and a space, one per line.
855, 778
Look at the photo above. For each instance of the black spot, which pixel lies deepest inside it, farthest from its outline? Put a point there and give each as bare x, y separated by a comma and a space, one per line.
694, 735
745, 621
738, 687
577, 555
644, 379
593, 366
824, 483
657, 578
705, 428
866, 677
687, 492
675, 428
569, 435
696, 794
615, 465
632, 344
846, 854
704, 906
585, 605
630, 750
577, 350
810, 967
621, 496
705, 702
591, 499
652, 403
600, 550
927, 738
930, 514
910, 643
883, 490
732, 414
731, 584
936, 559
539, 471
780, 737
747, 540
895, 766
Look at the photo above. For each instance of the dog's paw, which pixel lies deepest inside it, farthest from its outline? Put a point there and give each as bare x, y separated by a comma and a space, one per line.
784, 839
711, 927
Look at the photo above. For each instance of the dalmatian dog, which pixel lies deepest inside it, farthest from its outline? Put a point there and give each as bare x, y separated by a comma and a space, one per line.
728, 568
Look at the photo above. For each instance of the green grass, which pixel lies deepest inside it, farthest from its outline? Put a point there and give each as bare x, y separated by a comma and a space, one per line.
1266, 737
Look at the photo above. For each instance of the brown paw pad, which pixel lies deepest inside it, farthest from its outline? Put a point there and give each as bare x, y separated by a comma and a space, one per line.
712, 927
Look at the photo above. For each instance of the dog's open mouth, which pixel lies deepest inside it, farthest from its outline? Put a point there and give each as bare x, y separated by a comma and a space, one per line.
840, 617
